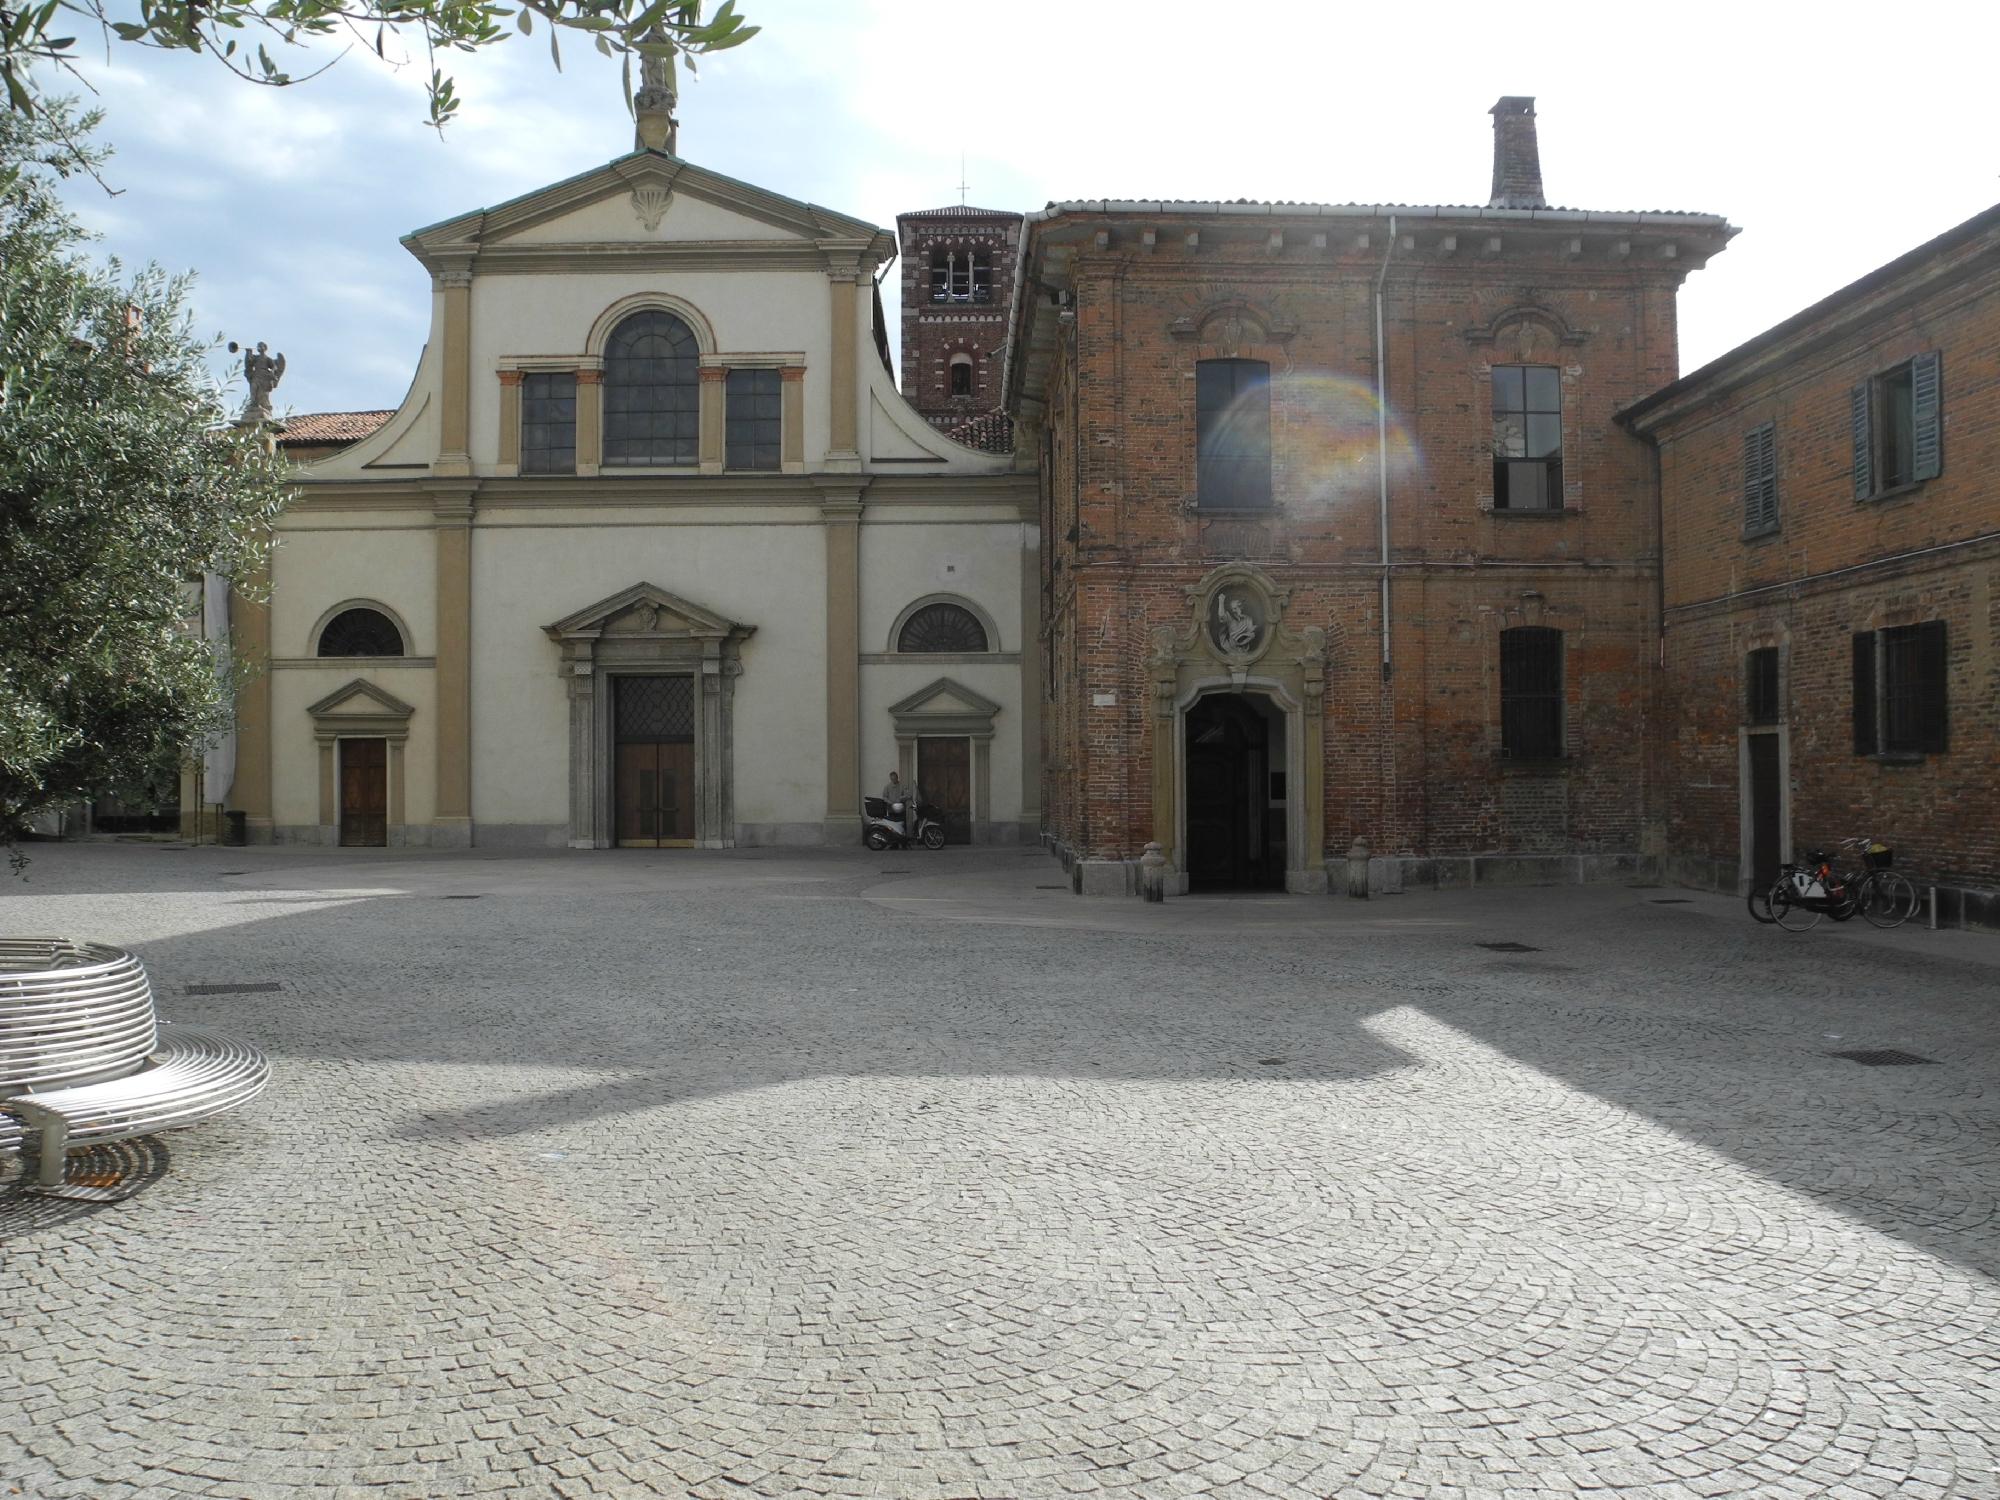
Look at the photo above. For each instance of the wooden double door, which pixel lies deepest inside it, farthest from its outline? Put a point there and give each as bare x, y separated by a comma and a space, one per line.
944, 776
653, 770
364, 793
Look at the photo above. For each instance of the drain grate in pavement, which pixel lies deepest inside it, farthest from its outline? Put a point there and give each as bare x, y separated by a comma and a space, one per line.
481, 896
1670, 900
1271, 1062
1051, 887
263, 987
1886, 1057
895, 872
225, 874
1508, 947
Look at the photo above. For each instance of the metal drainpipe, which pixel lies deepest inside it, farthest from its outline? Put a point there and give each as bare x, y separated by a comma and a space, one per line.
1388, 842
1382, 440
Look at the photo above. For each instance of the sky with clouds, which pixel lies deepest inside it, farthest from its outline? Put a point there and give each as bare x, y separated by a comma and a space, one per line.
1835, 136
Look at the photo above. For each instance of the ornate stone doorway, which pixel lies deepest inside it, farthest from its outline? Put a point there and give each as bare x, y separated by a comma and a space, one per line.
1234, 758
686, 782
1235, 647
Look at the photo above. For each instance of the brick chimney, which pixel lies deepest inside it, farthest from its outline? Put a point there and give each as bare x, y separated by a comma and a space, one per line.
1517, 162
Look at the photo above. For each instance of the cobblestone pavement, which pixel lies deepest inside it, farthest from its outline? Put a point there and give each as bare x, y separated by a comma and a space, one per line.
903, 1175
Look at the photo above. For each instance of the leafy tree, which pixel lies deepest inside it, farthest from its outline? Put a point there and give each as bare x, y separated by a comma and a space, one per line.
120, 484
237, 33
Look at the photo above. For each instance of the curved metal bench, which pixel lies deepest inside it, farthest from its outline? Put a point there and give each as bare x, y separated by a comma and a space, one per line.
83, 1057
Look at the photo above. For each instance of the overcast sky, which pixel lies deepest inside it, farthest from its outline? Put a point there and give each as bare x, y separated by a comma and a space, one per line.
289, 203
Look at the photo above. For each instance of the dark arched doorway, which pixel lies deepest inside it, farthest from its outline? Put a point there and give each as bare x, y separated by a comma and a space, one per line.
1235, 794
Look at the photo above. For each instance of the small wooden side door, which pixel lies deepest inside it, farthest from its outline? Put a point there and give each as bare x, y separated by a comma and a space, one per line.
364, 793
944, 776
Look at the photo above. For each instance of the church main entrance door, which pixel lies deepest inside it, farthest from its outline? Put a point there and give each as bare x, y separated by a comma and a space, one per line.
653, 761
1234, 816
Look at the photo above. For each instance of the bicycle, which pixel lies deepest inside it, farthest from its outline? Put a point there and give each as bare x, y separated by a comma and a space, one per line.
1886, 899
1803, 893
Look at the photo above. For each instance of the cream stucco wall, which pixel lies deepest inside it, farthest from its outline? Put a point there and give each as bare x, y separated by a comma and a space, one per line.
907, 554
528, 574
295, 751
751, 312
328, 559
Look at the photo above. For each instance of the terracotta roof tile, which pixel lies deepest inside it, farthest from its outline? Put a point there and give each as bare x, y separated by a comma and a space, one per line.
316, 427
991, 433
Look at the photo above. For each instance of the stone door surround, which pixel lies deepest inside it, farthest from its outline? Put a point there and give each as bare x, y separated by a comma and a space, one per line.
645, 631
1235, 640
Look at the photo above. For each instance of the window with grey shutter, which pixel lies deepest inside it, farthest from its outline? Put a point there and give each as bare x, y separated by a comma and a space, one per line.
1896, 418
1760, 480
1926, 401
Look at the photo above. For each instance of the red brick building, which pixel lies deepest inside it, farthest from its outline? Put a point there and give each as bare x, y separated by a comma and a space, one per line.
958, 279
1341, 540
1832, 584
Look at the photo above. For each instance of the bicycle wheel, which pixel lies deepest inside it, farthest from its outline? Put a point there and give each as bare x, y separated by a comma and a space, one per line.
1759, 902
1880, 903
1897, 898
1789, 911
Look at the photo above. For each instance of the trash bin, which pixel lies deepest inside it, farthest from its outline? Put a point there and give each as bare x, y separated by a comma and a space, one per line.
235, 829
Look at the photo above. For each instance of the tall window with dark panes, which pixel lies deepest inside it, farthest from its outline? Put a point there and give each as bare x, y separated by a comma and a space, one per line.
548, 423
1760, 686
1900, 690
1527, 437
1531, 693
1896, 418
754, 419
652, 393
1232, 434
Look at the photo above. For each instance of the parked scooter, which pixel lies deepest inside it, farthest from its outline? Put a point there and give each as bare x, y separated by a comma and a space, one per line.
882, 826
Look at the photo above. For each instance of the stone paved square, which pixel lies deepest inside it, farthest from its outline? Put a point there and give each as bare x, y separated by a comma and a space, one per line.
829, 1173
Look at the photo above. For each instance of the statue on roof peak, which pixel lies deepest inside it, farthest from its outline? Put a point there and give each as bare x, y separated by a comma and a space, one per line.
655, 128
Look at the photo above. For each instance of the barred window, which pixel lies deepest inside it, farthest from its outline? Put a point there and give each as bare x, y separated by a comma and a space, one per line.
1900, 690
361, 632
1760, 686
942, 627
755, 419
1527, 437
548, 424
1232, 434
1531, 693
652, 392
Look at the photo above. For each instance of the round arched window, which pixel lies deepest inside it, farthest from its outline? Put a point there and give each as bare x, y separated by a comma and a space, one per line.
361, 632
942, 627
652, 392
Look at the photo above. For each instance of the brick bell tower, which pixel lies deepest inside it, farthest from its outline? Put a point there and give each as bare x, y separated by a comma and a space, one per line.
958, 281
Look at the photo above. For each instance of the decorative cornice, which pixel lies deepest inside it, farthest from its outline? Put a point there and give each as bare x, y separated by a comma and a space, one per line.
1565, 331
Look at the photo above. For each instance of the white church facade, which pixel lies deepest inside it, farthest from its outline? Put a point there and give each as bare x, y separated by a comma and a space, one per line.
653, 552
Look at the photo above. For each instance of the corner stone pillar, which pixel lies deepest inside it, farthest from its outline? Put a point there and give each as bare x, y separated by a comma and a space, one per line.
848, 284
840, 515
455, 414
452, 528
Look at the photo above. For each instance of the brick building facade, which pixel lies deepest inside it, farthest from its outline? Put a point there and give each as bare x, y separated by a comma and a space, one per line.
958, 279
1831, 644
1265, 429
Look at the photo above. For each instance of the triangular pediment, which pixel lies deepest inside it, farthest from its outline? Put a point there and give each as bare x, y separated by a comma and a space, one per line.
945, 699
360, 699
645, 198
645, 609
